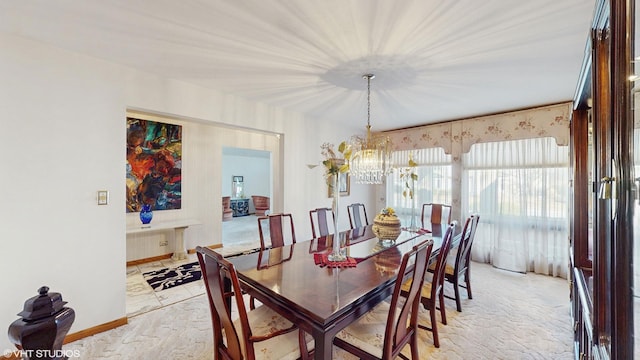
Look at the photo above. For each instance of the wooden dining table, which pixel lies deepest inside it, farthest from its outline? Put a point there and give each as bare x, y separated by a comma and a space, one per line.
323, 300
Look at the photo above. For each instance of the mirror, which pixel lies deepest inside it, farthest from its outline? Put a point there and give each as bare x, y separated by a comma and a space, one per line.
237, 187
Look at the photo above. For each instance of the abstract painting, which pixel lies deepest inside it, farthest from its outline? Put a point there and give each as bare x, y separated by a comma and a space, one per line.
154, 165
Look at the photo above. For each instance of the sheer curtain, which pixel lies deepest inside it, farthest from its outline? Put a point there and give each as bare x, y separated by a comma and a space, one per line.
520, 190
433, 185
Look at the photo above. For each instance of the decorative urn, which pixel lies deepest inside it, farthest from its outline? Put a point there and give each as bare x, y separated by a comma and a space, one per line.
43, 325
386, 225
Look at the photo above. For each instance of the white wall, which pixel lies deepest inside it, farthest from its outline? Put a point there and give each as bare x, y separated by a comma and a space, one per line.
63, 138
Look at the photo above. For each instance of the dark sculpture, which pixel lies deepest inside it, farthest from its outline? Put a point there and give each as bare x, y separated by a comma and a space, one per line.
44, 324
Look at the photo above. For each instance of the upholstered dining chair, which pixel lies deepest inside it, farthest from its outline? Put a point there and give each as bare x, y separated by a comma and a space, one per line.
262, 204
227, 212
355, 211
432, 292
257, 334
435, 214
396, 319
458, 267
276, 230
322, 221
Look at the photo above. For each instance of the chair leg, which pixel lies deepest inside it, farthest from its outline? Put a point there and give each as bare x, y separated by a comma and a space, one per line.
443, 310
414, 346
456, 290
302, 343
467, 279
434, 325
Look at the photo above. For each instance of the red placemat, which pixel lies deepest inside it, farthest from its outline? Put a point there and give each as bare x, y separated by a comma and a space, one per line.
322, 260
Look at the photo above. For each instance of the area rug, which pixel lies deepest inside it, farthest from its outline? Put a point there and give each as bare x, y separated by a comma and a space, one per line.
170, 277
511, 317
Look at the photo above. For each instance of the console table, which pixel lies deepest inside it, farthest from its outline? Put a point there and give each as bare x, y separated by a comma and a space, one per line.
177, 226
240, 207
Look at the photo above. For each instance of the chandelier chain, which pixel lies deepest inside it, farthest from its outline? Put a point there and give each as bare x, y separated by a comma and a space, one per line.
368, 101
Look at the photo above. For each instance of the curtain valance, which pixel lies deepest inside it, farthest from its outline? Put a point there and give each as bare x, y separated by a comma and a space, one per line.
456, 137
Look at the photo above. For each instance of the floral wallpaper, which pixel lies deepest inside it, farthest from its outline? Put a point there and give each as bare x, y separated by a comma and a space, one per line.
456, 137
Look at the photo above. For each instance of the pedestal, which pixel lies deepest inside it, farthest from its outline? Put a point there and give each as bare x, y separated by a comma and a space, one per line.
179, 253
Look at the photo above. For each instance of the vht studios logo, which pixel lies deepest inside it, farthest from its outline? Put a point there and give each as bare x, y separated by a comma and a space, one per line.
37, 354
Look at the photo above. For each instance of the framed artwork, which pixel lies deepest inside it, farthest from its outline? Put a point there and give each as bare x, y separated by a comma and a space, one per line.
154, 165
344, 182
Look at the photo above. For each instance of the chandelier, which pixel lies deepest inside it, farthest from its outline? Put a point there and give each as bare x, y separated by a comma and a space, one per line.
371, 159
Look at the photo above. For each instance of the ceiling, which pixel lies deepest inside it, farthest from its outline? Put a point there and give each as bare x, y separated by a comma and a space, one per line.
433, 60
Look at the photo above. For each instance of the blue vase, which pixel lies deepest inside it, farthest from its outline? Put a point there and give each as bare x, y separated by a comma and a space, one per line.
146, 214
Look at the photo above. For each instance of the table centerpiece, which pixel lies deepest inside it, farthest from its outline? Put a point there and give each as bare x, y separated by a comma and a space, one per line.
386, 226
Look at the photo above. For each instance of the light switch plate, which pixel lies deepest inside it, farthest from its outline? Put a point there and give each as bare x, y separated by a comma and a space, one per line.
103, 197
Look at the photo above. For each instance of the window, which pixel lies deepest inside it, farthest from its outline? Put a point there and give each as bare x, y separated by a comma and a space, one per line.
520, 190
433, 185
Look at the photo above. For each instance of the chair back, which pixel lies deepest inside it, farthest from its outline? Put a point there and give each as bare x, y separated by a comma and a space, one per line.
464, 246
215, 269
276, 230
474, 227
402, 322
355, 211
435, 214
441, 261
322, 222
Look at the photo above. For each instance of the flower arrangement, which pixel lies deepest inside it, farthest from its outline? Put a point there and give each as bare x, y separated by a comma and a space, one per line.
336, 162
388, 211
409, 176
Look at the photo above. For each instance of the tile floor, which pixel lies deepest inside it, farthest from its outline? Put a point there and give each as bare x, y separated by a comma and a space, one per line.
239, 234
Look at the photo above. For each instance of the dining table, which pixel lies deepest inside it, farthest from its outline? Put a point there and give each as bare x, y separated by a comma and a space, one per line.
322, 300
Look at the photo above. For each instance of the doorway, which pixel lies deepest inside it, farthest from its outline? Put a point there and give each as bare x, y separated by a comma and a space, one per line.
245, 173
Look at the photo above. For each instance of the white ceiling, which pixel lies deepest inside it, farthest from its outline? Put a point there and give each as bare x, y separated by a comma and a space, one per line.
433, 60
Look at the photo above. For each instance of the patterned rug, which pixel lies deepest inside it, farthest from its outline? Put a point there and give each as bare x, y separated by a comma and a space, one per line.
169, 277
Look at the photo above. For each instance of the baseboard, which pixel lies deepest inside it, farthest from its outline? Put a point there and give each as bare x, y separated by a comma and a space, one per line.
165, 256
148, 260
216, 246
95, 330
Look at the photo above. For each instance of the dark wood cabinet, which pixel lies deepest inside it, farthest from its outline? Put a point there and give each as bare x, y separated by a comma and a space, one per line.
602, 188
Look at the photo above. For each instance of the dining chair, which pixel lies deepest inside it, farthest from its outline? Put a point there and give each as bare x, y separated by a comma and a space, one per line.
435, 214
355, 211
432, 291
322, 220
262, 204
276, 230
396, 319
256, 334
227, 212
458, 266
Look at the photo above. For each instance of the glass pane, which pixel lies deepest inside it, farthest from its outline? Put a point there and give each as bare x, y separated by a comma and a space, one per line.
592, 181
635, 88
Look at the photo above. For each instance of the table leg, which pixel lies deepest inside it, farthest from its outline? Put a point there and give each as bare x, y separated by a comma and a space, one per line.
179, 253
324, 346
